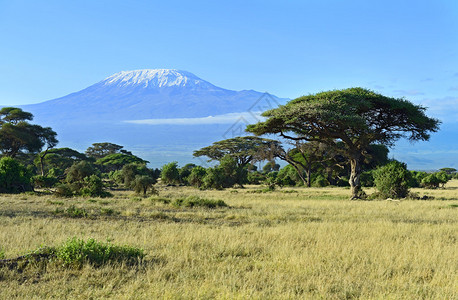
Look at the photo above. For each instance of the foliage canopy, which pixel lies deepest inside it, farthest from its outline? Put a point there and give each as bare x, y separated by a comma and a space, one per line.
357, 117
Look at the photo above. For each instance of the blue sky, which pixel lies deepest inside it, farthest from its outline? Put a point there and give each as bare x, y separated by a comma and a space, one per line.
288, 48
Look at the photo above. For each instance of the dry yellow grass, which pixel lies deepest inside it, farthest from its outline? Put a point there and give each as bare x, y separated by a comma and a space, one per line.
291, 243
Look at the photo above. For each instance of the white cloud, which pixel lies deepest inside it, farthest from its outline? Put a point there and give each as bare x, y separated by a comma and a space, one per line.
218, 119
408, 92
446, 109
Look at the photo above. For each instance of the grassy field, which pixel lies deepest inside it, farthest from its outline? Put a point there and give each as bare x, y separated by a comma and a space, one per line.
306, 243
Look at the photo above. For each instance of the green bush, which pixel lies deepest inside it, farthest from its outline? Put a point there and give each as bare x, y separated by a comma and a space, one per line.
75, 212
287, 176
213, 179
320, 181
78, 171
392, 180
40, 181
255, 177
272, 181
434, 180
63, 190
192, 201
76, 252
416, 178
14, 177
367, 179
93, 187
196, 176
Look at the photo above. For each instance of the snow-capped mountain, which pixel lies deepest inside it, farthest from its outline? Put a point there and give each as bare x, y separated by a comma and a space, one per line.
157, 78
145, 94
160, 114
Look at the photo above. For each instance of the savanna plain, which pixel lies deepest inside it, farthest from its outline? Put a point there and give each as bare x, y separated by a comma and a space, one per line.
290, 243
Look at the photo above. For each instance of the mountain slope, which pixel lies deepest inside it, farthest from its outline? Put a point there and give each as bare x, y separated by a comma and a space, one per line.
145, 94
99, 113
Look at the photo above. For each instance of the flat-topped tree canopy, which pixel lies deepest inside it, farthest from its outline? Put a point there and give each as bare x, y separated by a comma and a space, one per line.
243, 149
356, 116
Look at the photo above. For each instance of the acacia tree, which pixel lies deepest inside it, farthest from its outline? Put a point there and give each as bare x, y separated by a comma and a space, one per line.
304, 157
58, 158
243, 150
356, 117
100, 150
17, 135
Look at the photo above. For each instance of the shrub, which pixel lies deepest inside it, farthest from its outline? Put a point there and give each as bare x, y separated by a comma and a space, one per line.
185, 171
320, 181
44, 181
75, 252
14, 177
130, 171
271, 180
79, 171
192, 201
392, 180
416, 178
287, 176
255, 177
75, 212
93, 187
367, 179
196, 176
213, 179
434, 180
63, 190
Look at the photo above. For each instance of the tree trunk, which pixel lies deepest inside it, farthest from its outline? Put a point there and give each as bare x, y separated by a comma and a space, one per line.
42, 166
309, 175
354, 181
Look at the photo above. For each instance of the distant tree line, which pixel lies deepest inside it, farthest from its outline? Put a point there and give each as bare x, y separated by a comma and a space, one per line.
335, 138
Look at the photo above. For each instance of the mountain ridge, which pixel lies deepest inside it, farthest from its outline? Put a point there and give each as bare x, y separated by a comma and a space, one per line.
146, 94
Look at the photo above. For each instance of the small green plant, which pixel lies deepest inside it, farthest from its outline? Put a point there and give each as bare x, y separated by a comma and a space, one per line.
2, 253
107, 211
159, 200
192, 201
75, 212
76, 252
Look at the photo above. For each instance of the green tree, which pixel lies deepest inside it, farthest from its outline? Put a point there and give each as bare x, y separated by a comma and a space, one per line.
214, 179
116, 161
130, 171
170, 173
80, 170
448, 171
434, 180
196, 176
57, 158
19, 136
356, 117
185, 172
100, 150
243, 150
270, 166
142, 183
